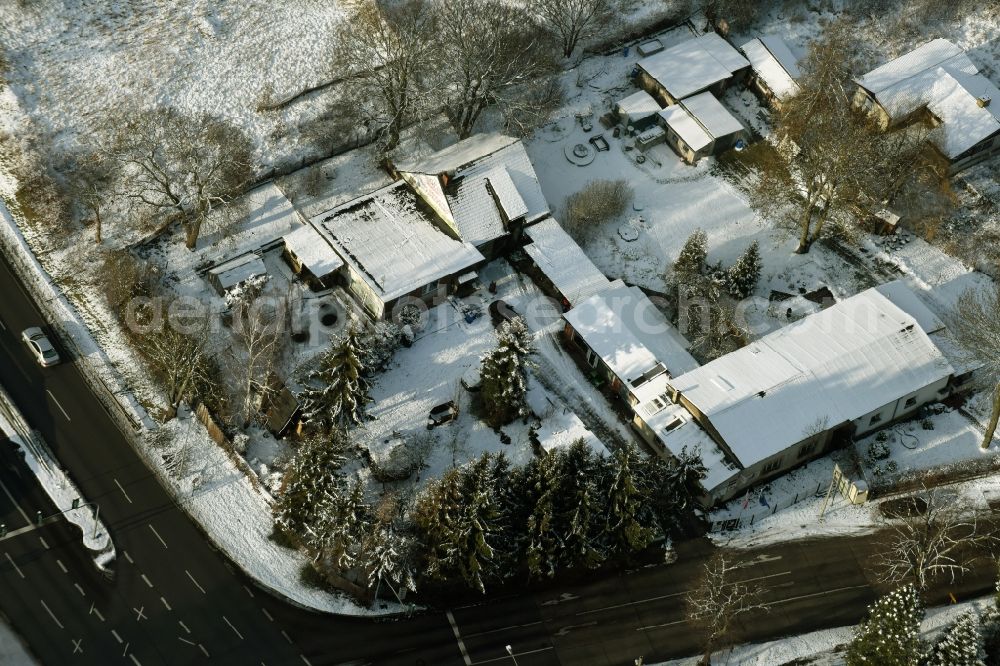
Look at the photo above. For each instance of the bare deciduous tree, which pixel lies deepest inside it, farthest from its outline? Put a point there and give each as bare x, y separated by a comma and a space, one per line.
487, 48
91, 180
719, 599
258, 331
387, 51
943, 541
975, 324
575, 20
180, 166
181, 362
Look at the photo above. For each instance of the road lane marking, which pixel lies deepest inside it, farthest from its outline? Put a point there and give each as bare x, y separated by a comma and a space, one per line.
62, 566
3, 325
287, 637
134, 660
158, 536
631, 603
125, 651
203, 650
94, 611
51, 614
117, 637
775, 575
306, 661
14, 564
146, 581
44, 542
123, 491
184, 640
79, 589
267, 615
458, 638
18, 506
58, 405
248, 591
139, 615
166, 604
236, 631
195, 582
815, 594
513, 626
507, 657
658, 626
76, 646
183, 626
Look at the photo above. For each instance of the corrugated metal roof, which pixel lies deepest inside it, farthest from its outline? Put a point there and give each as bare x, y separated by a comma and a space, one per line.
827, 369
711, 115
774, 72
387, 239
687, 128
694, 65
563, 262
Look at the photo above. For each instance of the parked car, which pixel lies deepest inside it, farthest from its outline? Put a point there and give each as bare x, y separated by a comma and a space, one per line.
443, 413
501, 311
40, 346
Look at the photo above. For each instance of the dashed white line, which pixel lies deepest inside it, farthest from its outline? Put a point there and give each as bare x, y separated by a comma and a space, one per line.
146, 581
117, 637
14, 502
287, 637
814, 594
232, 627
14, 564
134, 660
658, 626
58, 405
2, 325
158, 536
79, 589
62, 566
267, 615
248, 591
184, 640
203, 650
508, 658
44, 543
128, 557
52, 615
195, 582
94, 611
166, 604
306, 661
123, 491
458, 637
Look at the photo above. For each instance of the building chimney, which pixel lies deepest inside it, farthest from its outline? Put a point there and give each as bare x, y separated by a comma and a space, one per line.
983, 100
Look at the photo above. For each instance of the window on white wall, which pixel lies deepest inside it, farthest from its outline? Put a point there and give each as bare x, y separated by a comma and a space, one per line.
910, 402
875, 419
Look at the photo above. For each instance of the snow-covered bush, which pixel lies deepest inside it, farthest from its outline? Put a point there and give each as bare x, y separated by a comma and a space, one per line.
879, 450
378, 345
598, 202
240, 442
960, 645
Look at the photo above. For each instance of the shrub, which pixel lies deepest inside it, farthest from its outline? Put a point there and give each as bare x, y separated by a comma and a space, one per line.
598, 202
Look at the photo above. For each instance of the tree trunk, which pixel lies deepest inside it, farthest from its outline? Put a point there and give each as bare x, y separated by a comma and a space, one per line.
806, 224
991, 427
97, 226
192, 229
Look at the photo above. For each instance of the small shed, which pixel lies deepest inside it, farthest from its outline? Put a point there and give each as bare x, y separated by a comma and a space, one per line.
309, 254
282, 408
235, 272
699, 126
638, 110
775, 69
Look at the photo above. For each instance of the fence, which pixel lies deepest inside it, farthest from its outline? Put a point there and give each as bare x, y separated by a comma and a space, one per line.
749, 517
219, 437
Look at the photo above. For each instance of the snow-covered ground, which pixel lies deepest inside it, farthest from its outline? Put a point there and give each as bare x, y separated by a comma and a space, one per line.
13, 651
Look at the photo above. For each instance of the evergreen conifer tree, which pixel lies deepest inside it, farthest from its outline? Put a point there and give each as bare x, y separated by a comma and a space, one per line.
891, 634
625, 533
581, 506
336, 392
504, 373
960, 645
477, 525
437, 519
312, 476
742, 277
541, 540
690, 263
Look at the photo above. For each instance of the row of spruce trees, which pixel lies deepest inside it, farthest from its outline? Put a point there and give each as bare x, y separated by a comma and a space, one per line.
891, 635
485, 522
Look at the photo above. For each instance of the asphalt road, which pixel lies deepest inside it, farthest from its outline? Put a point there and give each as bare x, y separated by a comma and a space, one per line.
176, 600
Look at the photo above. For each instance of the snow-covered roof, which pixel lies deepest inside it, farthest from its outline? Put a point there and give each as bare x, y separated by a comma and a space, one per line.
825, 370
774, 63
909, 302
676, 431
563, 262
939, 76
933, 53
694, 65
313, 250
638, 105
237, 271
624, 328
270, 215
687, 128
711, 115
487, 174
387, 239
